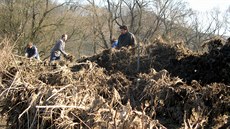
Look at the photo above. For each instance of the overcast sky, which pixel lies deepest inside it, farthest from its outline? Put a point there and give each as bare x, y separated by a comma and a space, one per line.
207, 5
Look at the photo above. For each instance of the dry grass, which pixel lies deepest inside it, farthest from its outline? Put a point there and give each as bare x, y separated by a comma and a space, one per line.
6, 53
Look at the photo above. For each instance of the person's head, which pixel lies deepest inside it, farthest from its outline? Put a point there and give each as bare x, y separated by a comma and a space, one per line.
29, 45
64, 37
123, 29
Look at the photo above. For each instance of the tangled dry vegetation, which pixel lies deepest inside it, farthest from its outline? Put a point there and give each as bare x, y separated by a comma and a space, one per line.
170, 90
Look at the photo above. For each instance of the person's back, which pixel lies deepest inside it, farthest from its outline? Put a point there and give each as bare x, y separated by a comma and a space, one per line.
126, 38
58, 49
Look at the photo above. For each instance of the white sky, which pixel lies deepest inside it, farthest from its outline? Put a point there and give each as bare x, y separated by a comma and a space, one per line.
207, 5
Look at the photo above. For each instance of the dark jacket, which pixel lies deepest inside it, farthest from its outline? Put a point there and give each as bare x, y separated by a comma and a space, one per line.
32, 52
126, 40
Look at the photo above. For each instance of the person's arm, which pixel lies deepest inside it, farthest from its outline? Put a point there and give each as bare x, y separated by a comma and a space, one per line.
35, 52
133, 40
26, 52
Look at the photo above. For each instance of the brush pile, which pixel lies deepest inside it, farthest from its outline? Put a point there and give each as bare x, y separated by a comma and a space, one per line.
107, 90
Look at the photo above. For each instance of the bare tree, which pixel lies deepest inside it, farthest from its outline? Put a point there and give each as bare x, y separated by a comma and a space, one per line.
206, 25
153, 19
91, 24
28, 20
112, 8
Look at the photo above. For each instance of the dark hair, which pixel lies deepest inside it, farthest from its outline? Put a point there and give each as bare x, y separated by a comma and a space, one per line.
63, 35
124, 27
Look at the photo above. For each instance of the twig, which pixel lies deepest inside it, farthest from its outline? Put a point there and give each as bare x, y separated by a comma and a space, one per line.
138, 57
34, 119
28, 120
46, 58
58, 91
114, 119
23, 57
15, 77
60, 106
32, 101
81, 120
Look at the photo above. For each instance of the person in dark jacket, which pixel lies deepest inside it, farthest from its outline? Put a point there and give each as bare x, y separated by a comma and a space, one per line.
32, 51
58, 49
126, 38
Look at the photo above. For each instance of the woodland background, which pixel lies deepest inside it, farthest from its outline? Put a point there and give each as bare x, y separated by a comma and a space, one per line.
91, 24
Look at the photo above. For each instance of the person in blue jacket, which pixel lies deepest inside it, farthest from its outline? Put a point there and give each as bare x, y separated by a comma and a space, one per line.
32, 51
114, 43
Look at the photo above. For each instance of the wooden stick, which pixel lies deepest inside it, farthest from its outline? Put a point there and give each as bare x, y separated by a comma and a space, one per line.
15, 77
34, 97
60, 106
58, 91
81, 120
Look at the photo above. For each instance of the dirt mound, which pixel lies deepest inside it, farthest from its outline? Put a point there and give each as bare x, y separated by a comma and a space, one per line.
109, 91
114, 60
156, 55
193, 105
207, 68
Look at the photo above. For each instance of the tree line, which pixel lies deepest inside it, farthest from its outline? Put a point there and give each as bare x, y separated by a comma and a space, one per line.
91, 24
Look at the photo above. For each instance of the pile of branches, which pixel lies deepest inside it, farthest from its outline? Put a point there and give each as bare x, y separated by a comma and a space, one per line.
36, 98
107, 91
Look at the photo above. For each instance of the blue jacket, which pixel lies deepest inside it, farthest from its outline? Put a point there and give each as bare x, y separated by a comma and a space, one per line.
115, 43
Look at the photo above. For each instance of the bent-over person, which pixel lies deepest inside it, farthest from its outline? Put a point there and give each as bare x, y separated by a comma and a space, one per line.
31, 51
59, 49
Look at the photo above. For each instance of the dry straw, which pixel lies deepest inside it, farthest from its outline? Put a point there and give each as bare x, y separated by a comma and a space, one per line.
6, 48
